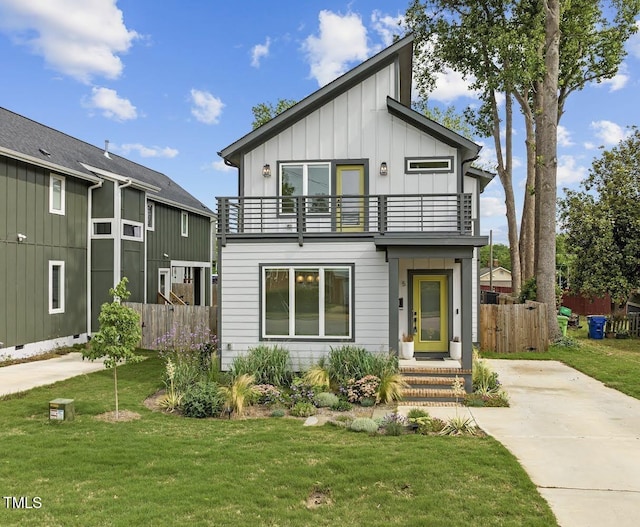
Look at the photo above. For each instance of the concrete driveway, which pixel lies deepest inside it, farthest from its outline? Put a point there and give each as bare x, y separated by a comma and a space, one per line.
578, 440
22, 377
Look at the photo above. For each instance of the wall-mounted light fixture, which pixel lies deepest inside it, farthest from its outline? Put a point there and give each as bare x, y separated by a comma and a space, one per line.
383, 169
22, 237
266, 170
165, 255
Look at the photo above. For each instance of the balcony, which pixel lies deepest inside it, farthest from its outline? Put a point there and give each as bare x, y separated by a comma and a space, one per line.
303, 216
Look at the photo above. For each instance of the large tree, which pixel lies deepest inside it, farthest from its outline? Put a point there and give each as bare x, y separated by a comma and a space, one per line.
264, 111
602, 224
536, 52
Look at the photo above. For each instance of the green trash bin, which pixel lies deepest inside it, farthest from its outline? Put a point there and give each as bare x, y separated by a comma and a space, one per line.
565, 311
563, 322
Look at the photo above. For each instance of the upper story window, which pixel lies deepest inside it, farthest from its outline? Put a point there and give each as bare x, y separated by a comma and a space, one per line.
151, 215
102, 228
56, 286
184, 224
56, 194
305, 179
428, 165
132, 230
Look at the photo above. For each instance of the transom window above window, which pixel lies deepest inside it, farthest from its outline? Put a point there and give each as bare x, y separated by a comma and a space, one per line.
303, 302
132, 230
428, 165
305, 179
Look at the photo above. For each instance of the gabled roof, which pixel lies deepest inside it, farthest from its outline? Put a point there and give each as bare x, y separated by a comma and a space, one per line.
486, 270
36, 143
433, 128
484, 176
402, 50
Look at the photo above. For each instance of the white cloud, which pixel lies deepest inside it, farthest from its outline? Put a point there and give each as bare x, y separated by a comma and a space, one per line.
207, 108
221, 166
79, 38
387, 26
342, 40
111, 105
618, 81
564, 136
450, 85
608, 132
491, 206
569, 171
588, 145
145, 151
259, 51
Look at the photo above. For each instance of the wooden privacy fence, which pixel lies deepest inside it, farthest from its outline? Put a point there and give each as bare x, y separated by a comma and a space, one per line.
160, 319
630, 323
514, 327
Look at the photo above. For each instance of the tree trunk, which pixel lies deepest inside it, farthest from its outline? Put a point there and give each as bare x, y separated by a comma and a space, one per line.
115, 382
547, 156
527, 225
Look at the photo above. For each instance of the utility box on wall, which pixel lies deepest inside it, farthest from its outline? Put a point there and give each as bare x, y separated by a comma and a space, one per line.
61, 410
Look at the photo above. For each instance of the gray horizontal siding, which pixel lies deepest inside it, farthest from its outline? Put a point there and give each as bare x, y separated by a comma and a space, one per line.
240, 301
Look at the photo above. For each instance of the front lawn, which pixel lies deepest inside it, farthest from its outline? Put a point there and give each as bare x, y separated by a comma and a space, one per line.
614, 362
168, 470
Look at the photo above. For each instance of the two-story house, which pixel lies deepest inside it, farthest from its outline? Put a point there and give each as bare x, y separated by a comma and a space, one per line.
74, 219
357, 221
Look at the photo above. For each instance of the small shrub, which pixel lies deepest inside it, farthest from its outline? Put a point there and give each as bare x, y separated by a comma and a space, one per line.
417, 412
170, 401
364, 424
394, 429
458, 425
268, 365
367, 402
394, 417
239, 393
391, 387
203, 399
366, 387
567, 342
326, 399
317, 376
303, 409
268, 394
342, 406
278, 412
301, 391
484, 379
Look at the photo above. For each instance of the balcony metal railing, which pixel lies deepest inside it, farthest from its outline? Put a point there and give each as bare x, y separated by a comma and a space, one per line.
370, 214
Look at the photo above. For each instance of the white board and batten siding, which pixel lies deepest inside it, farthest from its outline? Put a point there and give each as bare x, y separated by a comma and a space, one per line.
355, 125
240, 295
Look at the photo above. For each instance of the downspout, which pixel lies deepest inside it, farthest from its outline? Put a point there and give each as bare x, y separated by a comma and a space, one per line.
117, 241
89, 238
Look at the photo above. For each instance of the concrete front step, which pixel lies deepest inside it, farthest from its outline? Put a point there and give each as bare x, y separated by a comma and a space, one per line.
426, 370
428, 393
431, 384
418, 381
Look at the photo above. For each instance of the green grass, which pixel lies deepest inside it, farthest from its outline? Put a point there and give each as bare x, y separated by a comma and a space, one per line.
614, 362
168, 470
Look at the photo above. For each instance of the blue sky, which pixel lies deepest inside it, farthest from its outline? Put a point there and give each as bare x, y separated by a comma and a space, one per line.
169, 83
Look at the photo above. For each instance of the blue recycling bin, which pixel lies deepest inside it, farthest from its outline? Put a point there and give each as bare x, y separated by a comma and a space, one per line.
596, 326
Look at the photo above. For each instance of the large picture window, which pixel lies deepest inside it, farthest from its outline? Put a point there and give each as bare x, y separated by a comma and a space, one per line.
312, 301
305, 179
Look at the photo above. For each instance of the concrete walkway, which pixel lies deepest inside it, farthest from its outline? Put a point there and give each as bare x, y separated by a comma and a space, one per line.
578, 440
22, 377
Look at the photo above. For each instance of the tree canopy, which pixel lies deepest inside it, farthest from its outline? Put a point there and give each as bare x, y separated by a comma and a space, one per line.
264, 112
501, 254
602, 224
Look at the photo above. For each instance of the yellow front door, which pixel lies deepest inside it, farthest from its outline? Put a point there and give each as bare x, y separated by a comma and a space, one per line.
350, 198
430, 312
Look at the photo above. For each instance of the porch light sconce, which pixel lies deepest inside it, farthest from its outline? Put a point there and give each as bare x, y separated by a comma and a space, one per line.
165, 255
383, 169
266, 170
22, 237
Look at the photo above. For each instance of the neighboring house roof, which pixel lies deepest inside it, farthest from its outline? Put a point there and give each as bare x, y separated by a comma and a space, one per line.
484, 272
402, 50
24, 138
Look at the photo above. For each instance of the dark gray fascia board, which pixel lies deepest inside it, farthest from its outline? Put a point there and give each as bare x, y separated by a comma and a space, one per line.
433, 128
484, 176
402, 49
412, 240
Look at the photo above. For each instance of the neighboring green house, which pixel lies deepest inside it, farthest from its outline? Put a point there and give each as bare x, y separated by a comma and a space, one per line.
74, 219
358, 221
